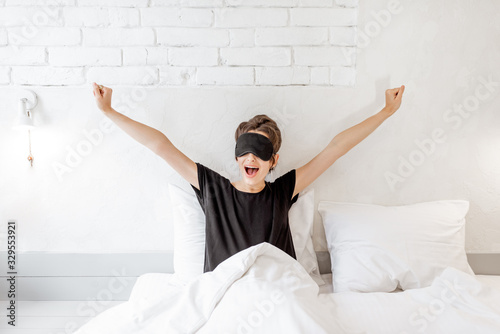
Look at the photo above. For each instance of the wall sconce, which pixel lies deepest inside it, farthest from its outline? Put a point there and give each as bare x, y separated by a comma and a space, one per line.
24, 121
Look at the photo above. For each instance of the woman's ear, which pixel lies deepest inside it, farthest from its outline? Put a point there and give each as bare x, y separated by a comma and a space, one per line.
276, 158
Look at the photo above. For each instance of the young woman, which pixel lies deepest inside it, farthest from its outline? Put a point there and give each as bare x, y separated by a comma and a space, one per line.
249, 211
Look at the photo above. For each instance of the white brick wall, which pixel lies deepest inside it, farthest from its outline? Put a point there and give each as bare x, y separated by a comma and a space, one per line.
321, 56
133, 56
225, 76
101, 17
45, 36
52, 76
118, 36
3, 37
185, 76
4, 75
291, 36
27, 55
256, 56
242, 37
282, 76
130, 75
118, 3
39, 16
192, 37
193, 56
78, 56
323, 17
178, 42
251, 17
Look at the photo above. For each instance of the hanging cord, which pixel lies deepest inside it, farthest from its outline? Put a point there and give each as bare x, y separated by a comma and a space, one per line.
30, 157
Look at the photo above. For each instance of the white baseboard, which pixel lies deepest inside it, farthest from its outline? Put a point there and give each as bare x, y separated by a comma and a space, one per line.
45, 276
485, 263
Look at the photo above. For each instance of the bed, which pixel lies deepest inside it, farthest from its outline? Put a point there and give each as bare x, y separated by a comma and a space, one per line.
400, 269
263, 290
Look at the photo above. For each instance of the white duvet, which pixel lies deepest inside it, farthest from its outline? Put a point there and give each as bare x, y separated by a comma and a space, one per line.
263, 290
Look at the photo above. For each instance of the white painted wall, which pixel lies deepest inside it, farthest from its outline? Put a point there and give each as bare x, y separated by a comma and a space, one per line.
115, 198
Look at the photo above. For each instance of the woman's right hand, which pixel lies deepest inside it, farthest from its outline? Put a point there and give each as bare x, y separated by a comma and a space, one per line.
103, 97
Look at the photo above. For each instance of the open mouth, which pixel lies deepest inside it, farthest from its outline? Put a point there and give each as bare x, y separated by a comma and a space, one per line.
251, 171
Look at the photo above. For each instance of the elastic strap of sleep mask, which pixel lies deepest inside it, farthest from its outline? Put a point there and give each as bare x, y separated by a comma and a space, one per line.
254, 143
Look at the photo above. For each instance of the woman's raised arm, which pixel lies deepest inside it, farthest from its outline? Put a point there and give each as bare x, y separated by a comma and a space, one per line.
153, 139
346, 140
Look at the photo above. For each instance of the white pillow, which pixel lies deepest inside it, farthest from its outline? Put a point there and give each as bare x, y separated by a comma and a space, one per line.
376, 248
301, 219
189, 233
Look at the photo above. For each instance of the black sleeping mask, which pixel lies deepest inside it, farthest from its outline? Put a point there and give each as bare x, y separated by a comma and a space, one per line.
254, 143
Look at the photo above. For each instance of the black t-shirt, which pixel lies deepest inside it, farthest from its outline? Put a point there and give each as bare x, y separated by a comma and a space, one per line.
236, 220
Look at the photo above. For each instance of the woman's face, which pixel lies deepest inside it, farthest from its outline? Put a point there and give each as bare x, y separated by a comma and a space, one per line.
253, 169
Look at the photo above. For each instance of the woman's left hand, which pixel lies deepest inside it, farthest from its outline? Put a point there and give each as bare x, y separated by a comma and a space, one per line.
393, 99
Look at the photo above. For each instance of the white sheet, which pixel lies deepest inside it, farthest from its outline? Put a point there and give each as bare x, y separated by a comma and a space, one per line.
263, 290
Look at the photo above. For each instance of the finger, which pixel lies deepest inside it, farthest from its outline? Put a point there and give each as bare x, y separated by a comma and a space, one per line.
392, 92
97, 89
395, 92
104, 90
400, 92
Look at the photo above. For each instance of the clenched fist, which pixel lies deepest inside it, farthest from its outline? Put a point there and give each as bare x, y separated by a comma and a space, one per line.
393, 99
102, 96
